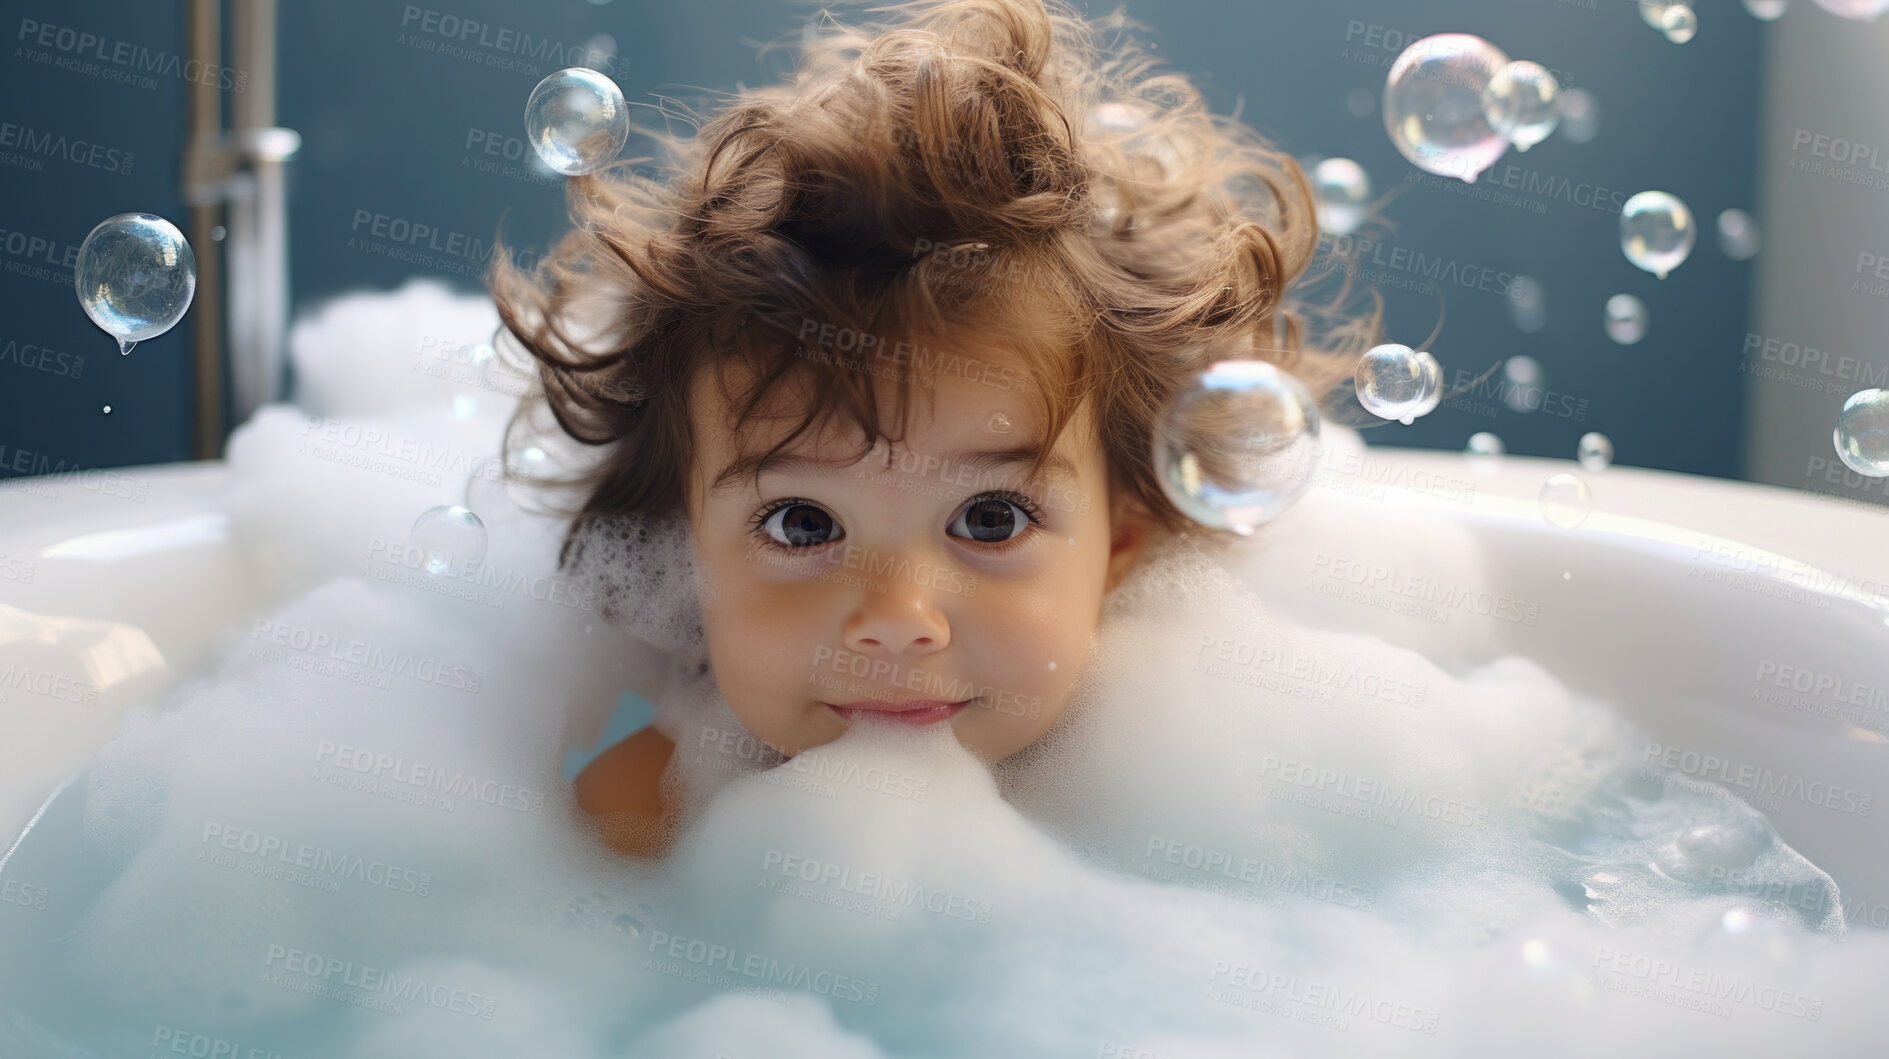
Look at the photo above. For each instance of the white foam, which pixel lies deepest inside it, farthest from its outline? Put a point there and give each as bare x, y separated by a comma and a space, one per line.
1248, 835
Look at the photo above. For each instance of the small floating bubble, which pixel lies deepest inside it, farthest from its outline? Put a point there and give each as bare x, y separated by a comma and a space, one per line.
108, 409
1565, 500
1595, 452
1484, 443
1737, 235
1343, 191
1657, 232
1528, 305
1766, 10
577, 120
451, 537
998, 423
1626, 319
1862, 433
1526, 389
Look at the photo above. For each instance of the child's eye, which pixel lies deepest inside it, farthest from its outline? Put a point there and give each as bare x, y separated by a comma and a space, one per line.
801, 525
796, 524
996, 518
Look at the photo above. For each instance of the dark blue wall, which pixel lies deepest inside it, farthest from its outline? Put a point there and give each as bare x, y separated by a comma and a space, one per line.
394, 123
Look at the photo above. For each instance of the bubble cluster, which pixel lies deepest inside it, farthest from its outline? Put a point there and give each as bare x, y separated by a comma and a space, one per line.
577, 120
1236, 447
1862, 433
1657, 232
135, 277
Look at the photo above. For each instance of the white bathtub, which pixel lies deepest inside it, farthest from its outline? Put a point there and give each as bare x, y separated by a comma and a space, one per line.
1682, 600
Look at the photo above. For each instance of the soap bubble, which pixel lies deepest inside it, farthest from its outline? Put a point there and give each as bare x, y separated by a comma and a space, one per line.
1857, 9
1674, 18
1237, 446
1580, 115
1565, 500
1343, 190
1360, 102
1524, 374
452, 538
1433, 105
1528, 307
1395, 381
577, 120
1626, 319
1737, 235
1682, 23
1657, 232
1595, 452
1766, 10
1484, 443
1862, 433
1520, 103
135, 277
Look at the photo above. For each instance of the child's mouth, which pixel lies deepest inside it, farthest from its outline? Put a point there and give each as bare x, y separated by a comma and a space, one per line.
910, 711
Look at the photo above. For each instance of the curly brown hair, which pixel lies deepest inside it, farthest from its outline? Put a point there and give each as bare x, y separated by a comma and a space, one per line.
980, 167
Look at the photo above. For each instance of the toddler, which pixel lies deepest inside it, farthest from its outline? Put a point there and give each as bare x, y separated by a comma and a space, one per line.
891, 342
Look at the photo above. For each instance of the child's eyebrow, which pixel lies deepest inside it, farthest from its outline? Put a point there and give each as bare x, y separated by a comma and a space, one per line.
747, 471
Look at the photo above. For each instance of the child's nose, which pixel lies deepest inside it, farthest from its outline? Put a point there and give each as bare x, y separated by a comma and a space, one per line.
904, 620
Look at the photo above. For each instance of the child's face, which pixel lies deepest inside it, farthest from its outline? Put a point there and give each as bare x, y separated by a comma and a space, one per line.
910, 575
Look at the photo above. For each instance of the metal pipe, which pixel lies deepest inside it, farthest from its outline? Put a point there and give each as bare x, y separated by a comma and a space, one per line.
241, 175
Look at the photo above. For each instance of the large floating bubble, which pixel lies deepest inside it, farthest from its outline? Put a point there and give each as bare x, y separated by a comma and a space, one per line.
1237, 446
1433, 105
451, 538
1857, 9
577, 120
1343, 191
1657, 232
1580, 115
1767, 10
1520, 103
135, 277
1737, 235
1626, 319
1397, 382
1862, 433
